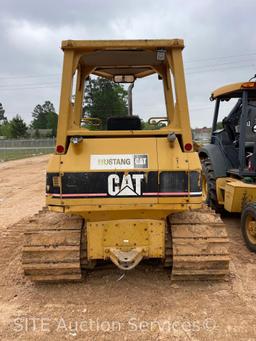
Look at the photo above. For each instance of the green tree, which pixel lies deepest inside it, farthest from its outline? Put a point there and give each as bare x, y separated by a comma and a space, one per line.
18, 127
5, 129
147, 126
104, 98
4, 125
45, 117
37, 134
3, 118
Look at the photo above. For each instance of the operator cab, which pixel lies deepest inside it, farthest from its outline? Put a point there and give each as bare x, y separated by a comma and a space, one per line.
237, 138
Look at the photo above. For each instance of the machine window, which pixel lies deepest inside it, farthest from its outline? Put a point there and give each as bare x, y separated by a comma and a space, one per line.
108, 105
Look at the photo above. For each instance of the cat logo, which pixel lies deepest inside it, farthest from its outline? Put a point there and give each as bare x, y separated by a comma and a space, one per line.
129, 185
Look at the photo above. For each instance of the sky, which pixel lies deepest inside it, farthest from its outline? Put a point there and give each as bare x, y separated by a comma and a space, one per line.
219, 37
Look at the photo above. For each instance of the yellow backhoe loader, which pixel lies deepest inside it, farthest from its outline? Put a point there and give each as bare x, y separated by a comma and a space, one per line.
229, 161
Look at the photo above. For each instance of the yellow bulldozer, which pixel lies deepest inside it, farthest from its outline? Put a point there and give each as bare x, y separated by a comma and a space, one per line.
123, 193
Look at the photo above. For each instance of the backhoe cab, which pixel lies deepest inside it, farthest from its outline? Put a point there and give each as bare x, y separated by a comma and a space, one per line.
229, 161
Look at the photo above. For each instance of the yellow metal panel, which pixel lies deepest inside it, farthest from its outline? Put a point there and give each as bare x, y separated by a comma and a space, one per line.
170, 157
220, 189
236, 193
136, 211
181, 110
156, 239
65, 104
122, 133
178, 161
126, 44
77, 158
229, 198
95, 248
129, 205
97, 203
126, 235
227, 89
54, 164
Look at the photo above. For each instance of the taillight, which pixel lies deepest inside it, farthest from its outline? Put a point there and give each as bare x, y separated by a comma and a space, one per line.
60, 149
188, 147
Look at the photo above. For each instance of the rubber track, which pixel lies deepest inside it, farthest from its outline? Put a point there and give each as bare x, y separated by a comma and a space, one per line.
199, 246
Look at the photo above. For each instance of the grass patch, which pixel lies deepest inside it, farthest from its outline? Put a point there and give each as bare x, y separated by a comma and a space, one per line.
15, 154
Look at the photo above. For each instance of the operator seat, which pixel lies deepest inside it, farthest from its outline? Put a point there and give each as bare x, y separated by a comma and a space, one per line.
124, 123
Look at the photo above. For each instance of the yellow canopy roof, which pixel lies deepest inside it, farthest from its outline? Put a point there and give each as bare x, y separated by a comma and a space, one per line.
234, 89
122, 44
122, 57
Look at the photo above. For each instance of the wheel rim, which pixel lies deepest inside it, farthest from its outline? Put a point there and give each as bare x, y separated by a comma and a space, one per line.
250, 225
204, 188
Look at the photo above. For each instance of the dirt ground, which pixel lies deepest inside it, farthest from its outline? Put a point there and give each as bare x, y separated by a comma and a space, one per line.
143, 304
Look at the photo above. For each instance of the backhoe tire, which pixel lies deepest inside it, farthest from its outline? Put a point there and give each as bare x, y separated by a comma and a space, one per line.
210, 186
248, 226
